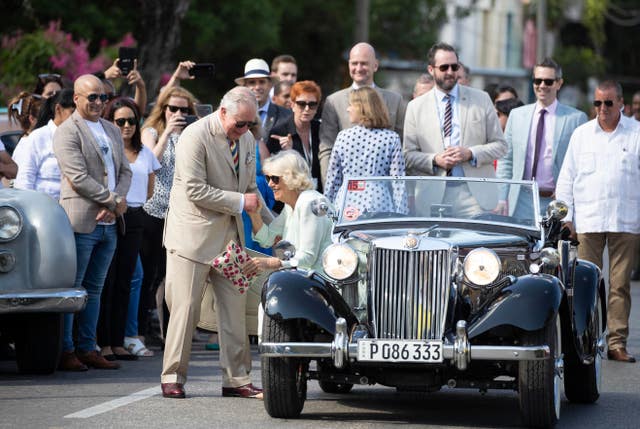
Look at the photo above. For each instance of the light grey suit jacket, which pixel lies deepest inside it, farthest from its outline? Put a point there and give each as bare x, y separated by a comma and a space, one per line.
84, 187
335, 118
206, 193
512, 166
480, 132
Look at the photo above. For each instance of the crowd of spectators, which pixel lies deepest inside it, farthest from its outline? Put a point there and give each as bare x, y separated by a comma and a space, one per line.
153, 201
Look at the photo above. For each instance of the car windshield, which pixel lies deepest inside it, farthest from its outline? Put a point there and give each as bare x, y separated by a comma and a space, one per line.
438, 199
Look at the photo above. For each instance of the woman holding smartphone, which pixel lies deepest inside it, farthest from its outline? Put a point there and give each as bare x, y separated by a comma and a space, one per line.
160, 134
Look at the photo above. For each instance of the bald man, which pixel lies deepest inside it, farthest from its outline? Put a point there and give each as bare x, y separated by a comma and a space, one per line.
96, 178
362, 66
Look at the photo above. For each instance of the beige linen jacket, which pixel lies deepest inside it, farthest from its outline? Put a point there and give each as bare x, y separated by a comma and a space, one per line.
84, 188
206, 193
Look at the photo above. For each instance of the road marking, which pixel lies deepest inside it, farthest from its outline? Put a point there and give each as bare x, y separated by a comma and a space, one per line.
116, 403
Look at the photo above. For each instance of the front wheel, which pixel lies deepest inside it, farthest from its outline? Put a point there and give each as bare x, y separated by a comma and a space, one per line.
38, 341
539, 381
284, 380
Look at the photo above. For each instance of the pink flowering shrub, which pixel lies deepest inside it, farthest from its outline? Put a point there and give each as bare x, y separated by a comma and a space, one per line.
24, 56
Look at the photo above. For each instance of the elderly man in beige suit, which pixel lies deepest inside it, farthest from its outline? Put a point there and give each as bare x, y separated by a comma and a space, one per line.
214, 180
453, 130
95, 180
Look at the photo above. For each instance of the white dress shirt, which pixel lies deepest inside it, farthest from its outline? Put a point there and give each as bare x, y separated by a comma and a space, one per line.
600, 178
37, 165
545, 165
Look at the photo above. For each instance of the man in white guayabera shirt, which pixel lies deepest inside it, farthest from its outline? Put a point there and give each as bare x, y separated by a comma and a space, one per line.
600, 179
95, 177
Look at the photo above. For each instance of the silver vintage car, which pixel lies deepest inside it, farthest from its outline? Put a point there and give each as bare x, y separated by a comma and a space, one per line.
37, 274
425, 286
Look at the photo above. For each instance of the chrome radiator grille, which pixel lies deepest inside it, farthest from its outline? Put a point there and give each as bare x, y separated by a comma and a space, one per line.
410, 292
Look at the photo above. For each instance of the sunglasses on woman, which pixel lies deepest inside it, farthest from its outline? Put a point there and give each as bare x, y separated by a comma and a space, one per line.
174, 109
121, 121
274, 179
304, 104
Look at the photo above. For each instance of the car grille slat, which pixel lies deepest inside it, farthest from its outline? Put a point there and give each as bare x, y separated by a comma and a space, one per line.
409, 292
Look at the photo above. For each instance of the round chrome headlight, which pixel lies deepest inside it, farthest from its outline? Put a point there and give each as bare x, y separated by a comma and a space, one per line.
10, 223
482, 266
339, 261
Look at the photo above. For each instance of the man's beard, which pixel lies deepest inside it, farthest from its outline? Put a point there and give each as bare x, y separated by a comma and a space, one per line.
444, 84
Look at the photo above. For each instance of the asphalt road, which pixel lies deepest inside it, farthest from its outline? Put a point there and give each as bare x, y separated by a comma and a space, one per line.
130, 397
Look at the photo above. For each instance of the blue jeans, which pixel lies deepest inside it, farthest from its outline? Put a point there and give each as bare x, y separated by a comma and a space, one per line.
131, 329
93, 252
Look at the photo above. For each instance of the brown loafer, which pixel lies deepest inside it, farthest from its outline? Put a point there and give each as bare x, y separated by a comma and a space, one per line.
621, 355
172, 390
69, 362
94, 360
246, 391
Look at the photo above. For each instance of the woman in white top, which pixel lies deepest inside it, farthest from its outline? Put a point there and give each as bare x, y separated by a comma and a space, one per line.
115, 297
288, 175
37, 165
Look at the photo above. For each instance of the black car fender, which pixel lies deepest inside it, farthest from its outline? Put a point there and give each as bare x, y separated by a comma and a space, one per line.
586, 291
527, 304
298, 294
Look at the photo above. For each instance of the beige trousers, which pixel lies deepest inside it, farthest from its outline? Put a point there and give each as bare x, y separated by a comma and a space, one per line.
184, 287
622, 248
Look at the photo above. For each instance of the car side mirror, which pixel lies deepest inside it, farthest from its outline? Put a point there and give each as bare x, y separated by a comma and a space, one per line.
284, 250
322, 207
557, 209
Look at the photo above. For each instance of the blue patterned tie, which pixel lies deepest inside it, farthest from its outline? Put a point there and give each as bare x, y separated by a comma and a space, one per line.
234, 154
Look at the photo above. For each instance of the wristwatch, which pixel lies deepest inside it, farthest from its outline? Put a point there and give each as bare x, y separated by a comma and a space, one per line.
118, 199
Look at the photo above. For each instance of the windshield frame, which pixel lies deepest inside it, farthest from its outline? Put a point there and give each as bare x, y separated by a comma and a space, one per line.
411, 222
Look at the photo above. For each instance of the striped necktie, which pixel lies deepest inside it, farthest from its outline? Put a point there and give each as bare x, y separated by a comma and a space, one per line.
234, 154
448, 114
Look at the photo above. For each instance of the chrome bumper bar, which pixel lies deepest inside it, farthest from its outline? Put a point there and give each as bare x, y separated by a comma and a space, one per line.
43, 300
460, 353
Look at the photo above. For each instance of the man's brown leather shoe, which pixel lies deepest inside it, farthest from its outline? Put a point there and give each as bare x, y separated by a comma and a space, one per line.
620, 355
69, 362
94, 360
246, 391
172, 390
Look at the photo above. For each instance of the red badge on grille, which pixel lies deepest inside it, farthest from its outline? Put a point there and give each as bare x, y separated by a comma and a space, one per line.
356, 185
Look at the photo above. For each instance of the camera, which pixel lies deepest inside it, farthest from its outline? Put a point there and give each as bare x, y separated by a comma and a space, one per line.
202, 70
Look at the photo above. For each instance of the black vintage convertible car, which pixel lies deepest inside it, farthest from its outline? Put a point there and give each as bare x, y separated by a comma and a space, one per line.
427, 286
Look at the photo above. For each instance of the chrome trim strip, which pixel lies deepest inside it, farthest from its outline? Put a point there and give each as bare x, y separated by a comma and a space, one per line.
477, 352
43, 300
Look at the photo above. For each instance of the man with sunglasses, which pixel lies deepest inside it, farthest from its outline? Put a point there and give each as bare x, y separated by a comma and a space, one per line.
363, 65
538, 136
453, 130
259, 80
599, 180
96, 179
214, 180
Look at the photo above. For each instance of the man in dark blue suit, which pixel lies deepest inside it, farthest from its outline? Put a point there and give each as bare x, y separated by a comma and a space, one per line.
537, 136
257, 77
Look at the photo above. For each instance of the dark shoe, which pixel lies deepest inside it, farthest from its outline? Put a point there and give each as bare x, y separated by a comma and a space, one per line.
620, 355
246, 391
94, 360
125, 356
69, 362
110, 357
172, 390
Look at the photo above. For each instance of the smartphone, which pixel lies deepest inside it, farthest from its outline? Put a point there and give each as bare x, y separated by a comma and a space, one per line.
202, 70
127, 56
189, 119
203, 110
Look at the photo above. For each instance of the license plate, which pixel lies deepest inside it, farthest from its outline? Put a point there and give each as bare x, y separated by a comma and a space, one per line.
400, 351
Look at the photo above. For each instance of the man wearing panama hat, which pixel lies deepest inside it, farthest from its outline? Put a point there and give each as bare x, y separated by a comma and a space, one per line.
257, 77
